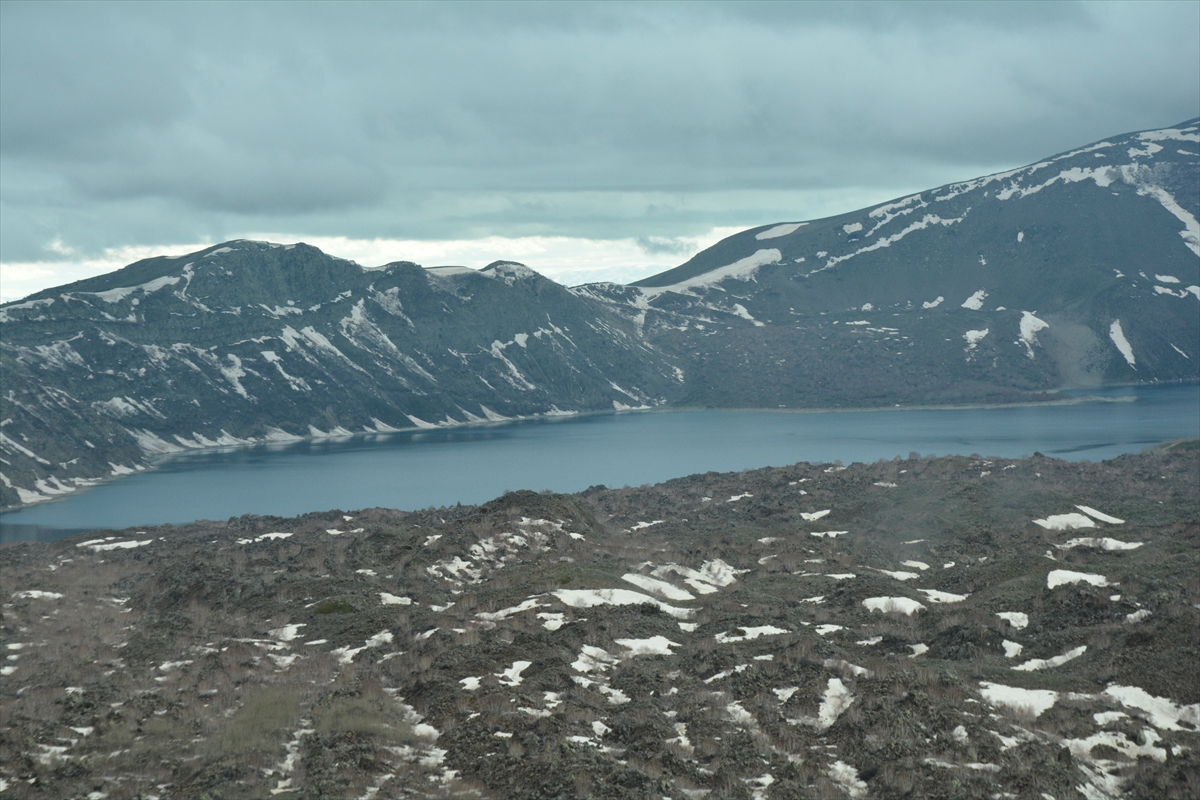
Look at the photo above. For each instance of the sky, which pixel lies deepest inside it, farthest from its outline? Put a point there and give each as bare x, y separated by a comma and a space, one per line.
590, 141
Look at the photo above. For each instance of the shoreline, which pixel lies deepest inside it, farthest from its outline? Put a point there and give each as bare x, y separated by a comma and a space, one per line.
153, 461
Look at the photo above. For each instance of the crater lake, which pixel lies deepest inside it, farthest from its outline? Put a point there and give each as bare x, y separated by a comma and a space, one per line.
473, 464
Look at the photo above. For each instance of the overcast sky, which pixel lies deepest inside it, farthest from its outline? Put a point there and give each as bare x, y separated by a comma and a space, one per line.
588, 141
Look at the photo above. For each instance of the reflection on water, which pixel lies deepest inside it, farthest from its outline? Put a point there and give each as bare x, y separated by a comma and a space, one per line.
475, 464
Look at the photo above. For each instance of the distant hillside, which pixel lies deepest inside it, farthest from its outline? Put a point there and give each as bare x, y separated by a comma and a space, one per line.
253, 342
1080, 270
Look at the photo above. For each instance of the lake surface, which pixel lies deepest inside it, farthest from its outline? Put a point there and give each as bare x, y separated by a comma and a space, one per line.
476, 464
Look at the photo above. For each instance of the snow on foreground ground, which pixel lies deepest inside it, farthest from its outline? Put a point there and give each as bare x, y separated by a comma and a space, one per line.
947, 644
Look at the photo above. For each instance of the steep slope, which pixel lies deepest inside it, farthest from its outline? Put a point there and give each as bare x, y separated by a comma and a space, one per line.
1079, 270
249, 341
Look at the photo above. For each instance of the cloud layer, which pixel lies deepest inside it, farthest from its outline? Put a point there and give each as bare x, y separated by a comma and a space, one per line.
142, 125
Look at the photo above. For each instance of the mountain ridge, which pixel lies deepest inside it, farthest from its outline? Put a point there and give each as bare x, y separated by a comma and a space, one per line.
1071, 271
728, 249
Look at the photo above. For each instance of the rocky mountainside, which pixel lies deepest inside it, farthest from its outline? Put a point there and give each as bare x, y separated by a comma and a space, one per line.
1080, 270
921, 628
252, 342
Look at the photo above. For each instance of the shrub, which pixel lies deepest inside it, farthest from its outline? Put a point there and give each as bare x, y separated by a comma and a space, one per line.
334, 607
260, 727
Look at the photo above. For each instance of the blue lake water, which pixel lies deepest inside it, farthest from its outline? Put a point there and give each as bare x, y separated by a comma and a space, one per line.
476, 464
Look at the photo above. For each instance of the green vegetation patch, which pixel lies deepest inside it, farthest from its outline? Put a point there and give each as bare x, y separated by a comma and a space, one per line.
334, 607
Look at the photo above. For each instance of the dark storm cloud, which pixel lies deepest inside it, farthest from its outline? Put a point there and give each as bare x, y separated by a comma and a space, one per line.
141, 123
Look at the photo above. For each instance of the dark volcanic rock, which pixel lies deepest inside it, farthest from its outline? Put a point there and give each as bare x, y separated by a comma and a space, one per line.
550, 646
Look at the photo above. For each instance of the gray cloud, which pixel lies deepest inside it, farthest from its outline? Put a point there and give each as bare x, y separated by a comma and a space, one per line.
134, 124
652, 245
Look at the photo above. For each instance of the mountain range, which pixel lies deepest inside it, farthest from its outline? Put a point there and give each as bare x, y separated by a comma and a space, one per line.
1080, 270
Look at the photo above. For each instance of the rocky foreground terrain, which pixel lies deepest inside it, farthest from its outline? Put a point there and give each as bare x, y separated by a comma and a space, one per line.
929, 627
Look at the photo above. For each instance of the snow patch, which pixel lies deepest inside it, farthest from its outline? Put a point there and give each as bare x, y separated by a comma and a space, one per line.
657, 586
1091, 512
116, 295
749, 634
975, 301
505, 613
1063, 522
1160, 712
654, 646
780, 230
1049, 663
512, 675
1118, 338
589, 598
743, 270
1030, 325
37, 594
899, 575
1018, 619
974, 338
1033, 701
934, 596
1111, 545
902, 605
125, 545
847, 778
1064, 577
